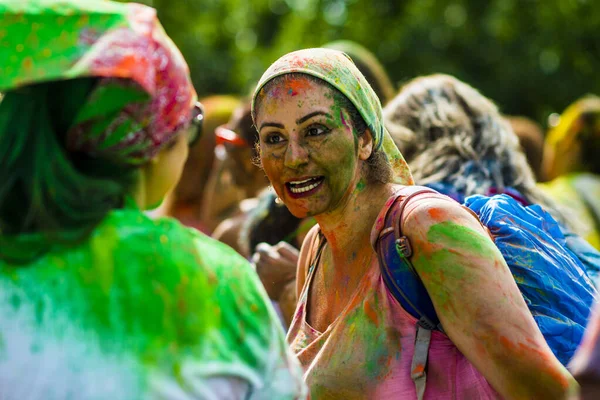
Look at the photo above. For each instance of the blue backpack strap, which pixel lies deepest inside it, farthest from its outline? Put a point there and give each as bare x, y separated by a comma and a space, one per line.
405, 285
397, 270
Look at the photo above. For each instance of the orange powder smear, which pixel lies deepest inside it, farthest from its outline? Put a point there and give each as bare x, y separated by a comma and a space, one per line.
531, 351
371, 313
418, 369
437, 213
295, 86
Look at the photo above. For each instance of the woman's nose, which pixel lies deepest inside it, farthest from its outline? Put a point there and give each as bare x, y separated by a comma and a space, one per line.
296, 155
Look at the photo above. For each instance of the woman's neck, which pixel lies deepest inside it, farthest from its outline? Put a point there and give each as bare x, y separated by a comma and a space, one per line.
139, 193
348, 227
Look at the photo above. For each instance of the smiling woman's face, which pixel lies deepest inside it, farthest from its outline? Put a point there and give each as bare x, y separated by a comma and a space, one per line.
308, 146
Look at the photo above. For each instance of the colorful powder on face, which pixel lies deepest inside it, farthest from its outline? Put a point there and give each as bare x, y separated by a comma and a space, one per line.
294, 85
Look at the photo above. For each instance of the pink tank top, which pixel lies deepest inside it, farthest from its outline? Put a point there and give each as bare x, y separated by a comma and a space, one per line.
366, 352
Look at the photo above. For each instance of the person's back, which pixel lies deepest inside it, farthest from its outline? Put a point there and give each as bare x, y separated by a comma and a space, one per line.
143, 309
98, 301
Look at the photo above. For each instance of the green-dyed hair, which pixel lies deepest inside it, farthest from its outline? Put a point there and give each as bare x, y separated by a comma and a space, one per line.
44, 188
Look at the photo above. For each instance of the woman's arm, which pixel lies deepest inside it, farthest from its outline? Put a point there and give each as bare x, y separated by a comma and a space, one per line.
479, 303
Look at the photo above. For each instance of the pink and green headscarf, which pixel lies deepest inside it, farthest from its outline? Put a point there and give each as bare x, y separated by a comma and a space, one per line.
337, 69
145, 95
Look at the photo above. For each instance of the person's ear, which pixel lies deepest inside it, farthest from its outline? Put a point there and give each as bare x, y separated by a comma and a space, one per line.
365, 145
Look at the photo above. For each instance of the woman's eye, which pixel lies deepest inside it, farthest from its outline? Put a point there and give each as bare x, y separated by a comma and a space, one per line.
273, 138
316, 130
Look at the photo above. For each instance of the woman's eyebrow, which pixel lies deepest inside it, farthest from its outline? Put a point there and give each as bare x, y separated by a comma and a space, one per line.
271, 124
309, 116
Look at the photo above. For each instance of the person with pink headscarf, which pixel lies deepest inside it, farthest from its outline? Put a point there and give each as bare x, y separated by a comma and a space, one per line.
97, 300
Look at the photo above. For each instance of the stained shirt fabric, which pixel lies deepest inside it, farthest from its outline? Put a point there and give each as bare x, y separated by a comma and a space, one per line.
142, 309
366, 353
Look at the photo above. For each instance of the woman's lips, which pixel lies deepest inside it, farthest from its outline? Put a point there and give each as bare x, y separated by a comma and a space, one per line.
304, 187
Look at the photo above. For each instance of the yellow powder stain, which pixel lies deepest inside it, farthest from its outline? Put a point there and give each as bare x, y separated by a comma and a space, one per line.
83, 21
27, 63
64, 36
20, 47
47, 53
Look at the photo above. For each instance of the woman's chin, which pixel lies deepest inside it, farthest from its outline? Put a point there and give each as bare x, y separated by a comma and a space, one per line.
153, 206
299, 211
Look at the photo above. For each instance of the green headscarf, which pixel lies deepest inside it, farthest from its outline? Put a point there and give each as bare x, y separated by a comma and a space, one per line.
369, 66
145, 95
93, 89
337, 69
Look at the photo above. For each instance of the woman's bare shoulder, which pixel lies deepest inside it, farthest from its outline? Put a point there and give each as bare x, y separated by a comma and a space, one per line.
427, 210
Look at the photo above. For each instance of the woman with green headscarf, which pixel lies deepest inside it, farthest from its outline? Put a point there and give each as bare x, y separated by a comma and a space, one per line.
97, 301
327, 154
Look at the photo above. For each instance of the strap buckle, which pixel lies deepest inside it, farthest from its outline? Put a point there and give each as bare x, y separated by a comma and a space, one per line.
403, 247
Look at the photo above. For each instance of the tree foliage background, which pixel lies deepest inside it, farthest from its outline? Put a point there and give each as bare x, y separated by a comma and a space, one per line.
532, 57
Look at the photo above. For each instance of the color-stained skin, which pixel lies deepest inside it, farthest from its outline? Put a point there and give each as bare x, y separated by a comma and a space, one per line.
315, 162
289, 138
478, 302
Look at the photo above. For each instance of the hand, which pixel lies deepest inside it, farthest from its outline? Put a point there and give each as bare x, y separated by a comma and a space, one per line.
276, 266
287, 302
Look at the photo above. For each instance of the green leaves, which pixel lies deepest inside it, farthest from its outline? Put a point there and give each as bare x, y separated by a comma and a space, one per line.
531, 57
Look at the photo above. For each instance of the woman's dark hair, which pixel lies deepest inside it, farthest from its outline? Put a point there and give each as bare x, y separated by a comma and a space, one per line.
270, 223
44, 188
378, 169
590, 141
244, 126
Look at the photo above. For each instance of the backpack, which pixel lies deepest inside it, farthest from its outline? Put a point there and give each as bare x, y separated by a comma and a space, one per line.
551, 277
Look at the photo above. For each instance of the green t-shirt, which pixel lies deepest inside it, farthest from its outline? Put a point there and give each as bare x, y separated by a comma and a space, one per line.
143, 309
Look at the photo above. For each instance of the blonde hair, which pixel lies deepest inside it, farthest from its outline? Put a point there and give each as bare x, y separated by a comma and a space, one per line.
449, 132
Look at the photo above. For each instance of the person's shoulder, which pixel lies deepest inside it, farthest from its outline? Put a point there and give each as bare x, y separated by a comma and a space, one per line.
429, 209
142, 235
134, 229
220, 258
308, 247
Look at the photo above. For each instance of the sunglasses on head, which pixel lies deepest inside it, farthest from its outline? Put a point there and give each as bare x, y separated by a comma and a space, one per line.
196, 124
224, 135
